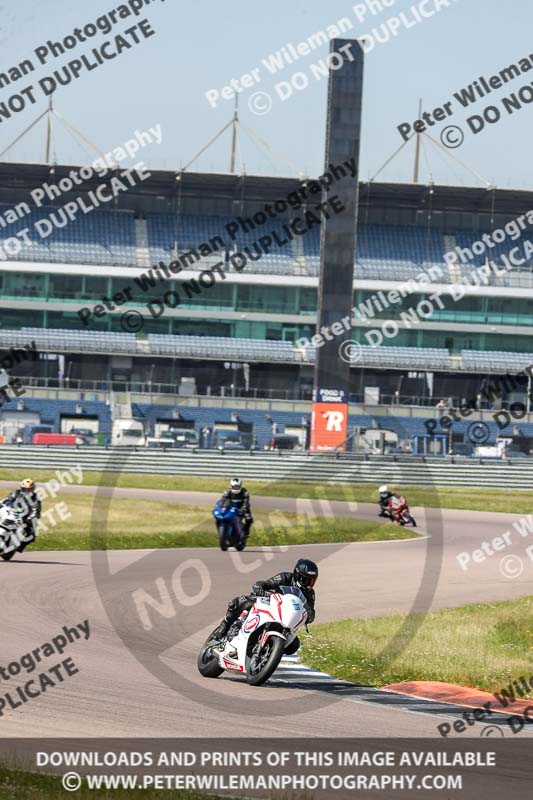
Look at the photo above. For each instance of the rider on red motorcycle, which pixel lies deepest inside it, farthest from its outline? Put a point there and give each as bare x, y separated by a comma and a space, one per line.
385, 498
395, 508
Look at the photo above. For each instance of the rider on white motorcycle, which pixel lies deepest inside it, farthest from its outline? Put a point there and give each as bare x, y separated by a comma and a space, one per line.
304, 576
26, 502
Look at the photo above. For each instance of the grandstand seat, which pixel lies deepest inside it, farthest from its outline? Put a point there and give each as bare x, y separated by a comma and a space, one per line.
65, 339
496, 361
384, 252
403, 357
101, 237
221, 347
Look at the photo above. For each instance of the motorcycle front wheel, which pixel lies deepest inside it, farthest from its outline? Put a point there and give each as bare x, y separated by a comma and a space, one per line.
223, 542
8, 556
264, 660
208, 664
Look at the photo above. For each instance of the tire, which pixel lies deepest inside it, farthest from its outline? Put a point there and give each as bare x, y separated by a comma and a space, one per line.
208, 666
222, 538
293, 647
277, 647
412, 520
241, 545
8, 556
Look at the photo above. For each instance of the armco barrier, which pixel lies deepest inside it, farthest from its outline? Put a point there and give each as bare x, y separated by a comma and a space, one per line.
273, 466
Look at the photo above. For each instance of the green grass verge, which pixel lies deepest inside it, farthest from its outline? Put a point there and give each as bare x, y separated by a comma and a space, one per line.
485, 646
143, 524
17, 785
518, 501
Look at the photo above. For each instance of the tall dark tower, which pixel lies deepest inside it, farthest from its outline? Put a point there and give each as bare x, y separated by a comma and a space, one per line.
335, 296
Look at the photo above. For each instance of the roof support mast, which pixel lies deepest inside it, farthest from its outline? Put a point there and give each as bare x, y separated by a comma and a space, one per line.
417, 148
422, 137
235, 122
48, 148
49, 130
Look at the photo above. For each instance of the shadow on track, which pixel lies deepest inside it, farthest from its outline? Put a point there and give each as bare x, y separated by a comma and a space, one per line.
60, 563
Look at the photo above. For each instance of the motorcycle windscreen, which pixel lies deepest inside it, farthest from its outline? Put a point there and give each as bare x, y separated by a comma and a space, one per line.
292, 590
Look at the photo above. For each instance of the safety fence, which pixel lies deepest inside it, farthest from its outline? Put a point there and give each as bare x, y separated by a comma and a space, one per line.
270, 466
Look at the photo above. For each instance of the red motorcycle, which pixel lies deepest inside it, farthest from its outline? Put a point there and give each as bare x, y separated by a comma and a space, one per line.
399, 511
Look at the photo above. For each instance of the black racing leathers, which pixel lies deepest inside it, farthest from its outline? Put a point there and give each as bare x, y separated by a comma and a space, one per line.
241, 498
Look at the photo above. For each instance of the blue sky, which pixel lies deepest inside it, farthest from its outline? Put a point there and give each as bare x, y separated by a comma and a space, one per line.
201, 46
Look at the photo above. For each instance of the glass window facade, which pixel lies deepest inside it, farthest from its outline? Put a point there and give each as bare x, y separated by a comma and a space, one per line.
264, 300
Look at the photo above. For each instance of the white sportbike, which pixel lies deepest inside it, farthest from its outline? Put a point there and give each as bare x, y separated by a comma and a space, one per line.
265, 633
12, 532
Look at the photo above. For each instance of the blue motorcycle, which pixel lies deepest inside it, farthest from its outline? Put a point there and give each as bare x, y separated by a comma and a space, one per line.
228, 532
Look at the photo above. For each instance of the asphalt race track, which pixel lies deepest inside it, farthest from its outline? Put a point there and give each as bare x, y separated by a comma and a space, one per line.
113, 692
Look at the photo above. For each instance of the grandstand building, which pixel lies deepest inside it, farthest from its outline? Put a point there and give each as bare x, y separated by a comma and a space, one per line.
171, 249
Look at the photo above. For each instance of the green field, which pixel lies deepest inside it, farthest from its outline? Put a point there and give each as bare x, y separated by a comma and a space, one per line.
517, 501
119, 523
16, 785
485, 646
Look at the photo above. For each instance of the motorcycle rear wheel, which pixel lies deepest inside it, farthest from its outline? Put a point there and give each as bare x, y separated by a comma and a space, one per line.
259, 667
8, 556
208, 664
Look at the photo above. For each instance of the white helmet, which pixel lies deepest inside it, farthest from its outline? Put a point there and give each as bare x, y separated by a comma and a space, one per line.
236, 484
383, 489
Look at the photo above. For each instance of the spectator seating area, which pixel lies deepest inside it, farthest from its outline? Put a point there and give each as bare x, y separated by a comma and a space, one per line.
379, 245
393, 357
105, 237
101, 237
168, 234
401, 252
496, 361
221, 348
61, 340
406, 357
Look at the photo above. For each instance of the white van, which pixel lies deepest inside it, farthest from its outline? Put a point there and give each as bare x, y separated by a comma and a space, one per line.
128, 433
